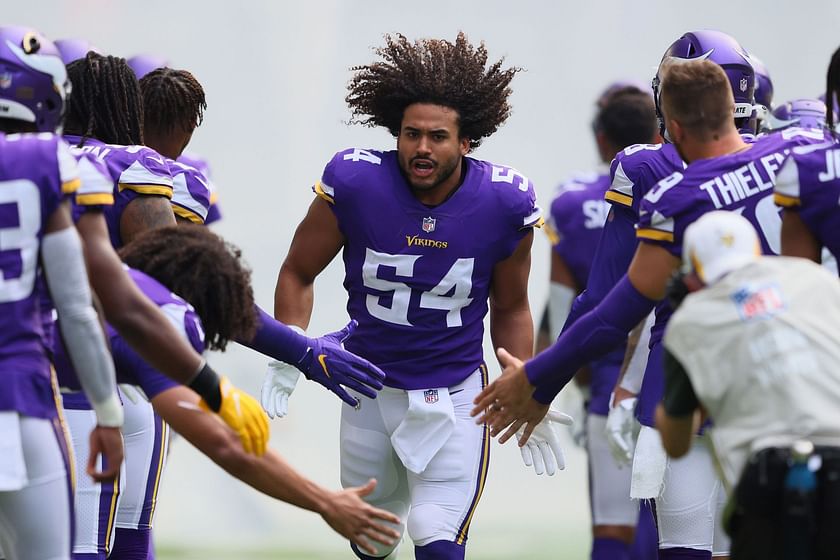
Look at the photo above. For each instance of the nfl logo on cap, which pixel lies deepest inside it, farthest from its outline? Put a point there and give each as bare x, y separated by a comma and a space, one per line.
431, 396
428, 224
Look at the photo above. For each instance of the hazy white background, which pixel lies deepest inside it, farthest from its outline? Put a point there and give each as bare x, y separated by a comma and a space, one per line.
275, 76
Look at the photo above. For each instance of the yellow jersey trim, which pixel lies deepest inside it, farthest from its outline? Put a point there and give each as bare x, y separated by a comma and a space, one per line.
552, 235
214, 197
164, 444
95, 199
655, 234
162, 190
482, 473
786, 201
623, 199
187, 214
319, 190
71, 186
112, 514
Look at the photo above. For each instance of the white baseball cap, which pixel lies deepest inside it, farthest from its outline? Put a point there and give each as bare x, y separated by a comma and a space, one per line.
718, 243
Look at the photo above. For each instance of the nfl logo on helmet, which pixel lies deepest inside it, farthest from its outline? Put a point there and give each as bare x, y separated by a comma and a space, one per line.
428, 224
743, 85
431, 396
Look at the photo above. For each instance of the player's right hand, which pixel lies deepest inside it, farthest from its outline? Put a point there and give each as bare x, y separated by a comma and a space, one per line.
619, 430
243, 413
280, 380
352, 517
109, 443
328, 363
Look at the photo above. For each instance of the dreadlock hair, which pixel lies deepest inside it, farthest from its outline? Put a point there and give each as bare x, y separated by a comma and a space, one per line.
832, 89
199, 266
106, 102
453, 75
172, 98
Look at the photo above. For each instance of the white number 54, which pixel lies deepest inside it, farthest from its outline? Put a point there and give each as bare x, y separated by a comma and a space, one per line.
451, 294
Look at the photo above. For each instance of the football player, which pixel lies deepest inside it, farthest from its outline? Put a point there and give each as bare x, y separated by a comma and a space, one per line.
626, 116
428, 236
37, 174
809, 187
218, 307
736, 182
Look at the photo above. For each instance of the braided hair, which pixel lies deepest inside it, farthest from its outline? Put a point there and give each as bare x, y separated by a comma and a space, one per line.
205, 270
454, 75
106, 102
172, 98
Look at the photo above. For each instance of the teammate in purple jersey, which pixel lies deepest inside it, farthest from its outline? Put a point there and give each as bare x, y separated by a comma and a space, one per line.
428, 235
208, 272
738, 182
577, 218
809, 187
37, 172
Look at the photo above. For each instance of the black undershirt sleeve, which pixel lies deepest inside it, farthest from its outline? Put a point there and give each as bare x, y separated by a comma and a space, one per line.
679, 399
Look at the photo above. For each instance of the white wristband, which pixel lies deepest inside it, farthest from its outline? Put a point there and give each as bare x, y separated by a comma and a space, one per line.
109, 413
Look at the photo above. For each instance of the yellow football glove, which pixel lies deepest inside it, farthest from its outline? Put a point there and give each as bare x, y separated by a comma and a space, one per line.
243, 413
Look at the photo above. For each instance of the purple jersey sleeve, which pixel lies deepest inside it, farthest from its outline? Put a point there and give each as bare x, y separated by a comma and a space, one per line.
190, 192
636, 169
809, 184
37, 173
418, 278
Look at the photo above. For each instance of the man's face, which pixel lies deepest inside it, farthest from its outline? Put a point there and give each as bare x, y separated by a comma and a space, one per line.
428, 146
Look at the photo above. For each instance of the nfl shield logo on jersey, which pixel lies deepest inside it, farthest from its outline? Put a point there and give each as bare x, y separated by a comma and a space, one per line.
428, 224
431, 395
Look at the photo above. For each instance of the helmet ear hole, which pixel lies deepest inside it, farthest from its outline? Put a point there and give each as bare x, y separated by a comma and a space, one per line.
50, 104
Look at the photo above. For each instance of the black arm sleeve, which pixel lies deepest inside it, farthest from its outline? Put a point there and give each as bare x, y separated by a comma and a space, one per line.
679, 399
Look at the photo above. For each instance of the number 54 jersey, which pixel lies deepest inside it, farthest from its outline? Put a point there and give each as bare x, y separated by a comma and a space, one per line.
418, 277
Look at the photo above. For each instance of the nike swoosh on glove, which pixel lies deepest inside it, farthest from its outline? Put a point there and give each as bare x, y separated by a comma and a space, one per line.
328, 363
543, 449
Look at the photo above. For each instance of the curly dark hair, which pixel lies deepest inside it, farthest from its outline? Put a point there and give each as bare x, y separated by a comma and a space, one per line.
172, 98
106, 102
453, 75
206, 271
832, 90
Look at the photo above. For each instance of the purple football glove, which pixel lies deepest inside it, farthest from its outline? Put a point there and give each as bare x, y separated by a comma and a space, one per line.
328, 363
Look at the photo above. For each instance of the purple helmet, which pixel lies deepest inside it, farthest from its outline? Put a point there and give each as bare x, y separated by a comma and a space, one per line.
723, 50
621, 85
33, 80
74, 49
804, 113
763, 83
142, 64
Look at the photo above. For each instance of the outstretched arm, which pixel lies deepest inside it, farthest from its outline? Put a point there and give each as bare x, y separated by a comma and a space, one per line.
345, 511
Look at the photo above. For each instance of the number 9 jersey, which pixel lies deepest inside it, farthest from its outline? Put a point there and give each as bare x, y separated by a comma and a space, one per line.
418, 277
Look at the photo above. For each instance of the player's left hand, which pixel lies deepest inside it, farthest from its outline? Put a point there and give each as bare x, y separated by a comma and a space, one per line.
328, 363
542, 449
507, 402
109, 443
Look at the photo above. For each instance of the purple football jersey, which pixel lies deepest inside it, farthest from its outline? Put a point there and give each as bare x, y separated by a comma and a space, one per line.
637, 168
809, 184
742, 182
214, 213
576, 219
418, 278
190, 192
131, 368
134, 170
36, 173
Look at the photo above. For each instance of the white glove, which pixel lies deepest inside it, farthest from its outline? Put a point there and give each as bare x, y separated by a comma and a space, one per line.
619, 431
280, 381
543, 448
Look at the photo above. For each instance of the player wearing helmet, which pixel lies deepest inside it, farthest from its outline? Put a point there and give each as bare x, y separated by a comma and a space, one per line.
801, 113
37, 176
697, 107
74, 49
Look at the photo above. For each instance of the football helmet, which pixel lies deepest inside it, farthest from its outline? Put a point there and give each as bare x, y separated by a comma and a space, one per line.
726, 52
142, 64
34, 87
804, 113
74, 49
